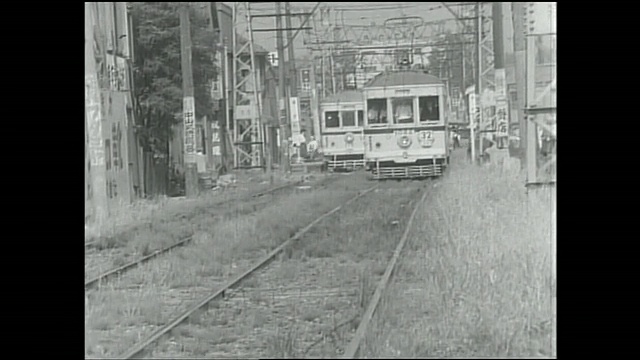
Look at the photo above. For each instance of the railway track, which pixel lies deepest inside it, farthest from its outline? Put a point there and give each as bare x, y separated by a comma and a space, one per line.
126, 309
118, 270
288, 288
141, 347
351, 352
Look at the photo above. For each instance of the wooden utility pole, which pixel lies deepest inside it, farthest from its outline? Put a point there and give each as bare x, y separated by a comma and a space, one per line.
94, 120
333, 74
519, 51
284, 120
293, 71
322, 73
463, 88
214, 27
479, 75
502, 106
188, 105
293, 79
314, 102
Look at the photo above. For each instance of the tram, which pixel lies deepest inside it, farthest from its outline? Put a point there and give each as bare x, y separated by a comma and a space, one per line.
406, 131
341, 130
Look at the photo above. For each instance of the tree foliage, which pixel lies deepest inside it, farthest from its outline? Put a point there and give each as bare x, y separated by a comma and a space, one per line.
158, 72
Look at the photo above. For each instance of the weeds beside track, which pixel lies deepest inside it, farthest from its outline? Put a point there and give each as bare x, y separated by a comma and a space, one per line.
130, 308
140, 348
116, 259
307, 303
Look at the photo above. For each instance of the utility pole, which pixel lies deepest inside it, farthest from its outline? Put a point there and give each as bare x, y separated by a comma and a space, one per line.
502, 106
293, 84
479, 74
94, 120
463, 88
314, 102
333, 75
188, 105
517, 13
284, 120
293, 78
219, 60
322, 72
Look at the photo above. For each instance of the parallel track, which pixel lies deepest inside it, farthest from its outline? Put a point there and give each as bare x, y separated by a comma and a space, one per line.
89, 284
143, 346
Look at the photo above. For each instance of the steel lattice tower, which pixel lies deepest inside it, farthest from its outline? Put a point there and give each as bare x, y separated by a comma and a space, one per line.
246, 99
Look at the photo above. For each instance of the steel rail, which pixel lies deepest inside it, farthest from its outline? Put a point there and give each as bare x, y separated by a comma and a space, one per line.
105, 276
142, 346
111, 273
354, 346
119, 270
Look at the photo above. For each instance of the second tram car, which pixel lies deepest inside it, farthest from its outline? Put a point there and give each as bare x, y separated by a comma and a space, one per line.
406, 134
342, 139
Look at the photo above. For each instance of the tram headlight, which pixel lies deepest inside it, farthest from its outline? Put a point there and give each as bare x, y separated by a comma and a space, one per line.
404, 141
348, 138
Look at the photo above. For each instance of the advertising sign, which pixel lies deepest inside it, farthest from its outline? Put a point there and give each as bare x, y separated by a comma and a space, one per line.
94, 121
273, 58
188, 107
501, 83
295, 118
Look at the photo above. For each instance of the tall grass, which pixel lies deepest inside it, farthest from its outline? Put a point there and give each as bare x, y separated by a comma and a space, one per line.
479, 279
221, 249
124, 215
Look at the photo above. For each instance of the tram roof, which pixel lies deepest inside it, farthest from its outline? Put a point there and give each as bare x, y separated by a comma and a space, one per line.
402, 78
347, 96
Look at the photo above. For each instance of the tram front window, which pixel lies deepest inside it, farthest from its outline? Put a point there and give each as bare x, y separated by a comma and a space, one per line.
377, 111
360, 118
348, 118
429, 108
331, 119
402, 110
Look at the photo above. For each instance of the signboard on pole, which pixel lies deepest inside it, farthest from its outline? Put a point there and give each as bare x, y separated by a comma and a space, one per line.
501, 83
188, 108
272, 57
295, 119
94, 121
473, 109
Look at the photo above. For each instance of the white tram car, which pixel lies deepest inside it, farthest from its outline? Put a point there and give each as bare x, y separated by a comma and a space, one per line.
342, 139
406, 130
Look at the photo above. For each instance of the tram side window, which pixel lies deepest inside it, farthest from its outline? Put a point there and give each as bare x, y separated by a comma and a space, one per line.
360, 118
377, 111
429, 108
331, 119
348, 118
402, 110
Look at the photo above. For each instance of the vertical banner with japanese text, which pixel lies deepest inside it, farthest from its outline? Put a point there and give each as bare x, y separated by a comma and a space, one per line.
502, 106
295, 119
188, 108
94, 121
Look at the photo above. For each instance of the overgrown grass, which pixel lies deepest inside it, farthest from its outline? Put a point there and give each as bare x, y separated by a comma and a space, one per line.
348, 251
478, 278
130, 218
221, 249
